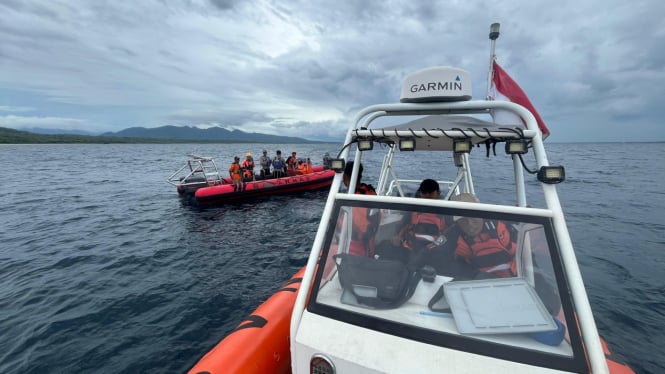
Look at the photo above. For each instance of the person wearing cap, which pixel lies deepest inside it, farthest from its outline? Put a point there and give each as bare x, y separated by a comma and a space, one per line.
292, 162
487, 245
278, 165
248, 167
265, 163
234, 172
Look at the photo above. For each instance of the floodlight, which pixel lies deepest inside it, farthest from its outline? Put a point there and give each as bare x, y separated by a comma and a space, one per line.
407, 144
462, 145
516, 147
365, 144
551, 174
337, 164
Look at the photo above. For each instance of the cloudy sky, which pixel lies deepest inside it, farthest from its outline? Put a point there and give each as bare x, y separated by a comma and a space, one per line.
303, 68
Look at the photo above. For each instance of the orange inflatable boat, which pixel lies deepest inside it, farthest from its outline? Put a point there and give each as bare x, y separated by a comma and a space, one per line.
260, 343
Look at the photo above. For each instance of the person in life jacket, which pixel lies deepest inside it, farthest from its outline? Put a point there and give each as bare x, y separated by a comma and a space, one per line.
278, 165
364, 224
234, 172
308, 166
424, 229
248, 166
488, 246
292, 162
301, 169
265, 163
420, 231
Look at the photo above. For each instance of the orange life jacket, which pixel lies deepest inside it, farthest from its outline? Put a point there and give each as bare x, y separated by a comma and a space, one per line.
492, 251
234, 170
364, 226
429, 224
248, 165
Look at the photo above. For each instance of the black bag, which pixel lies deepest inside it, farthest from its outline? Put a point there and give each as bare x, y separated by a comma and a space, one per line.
381, 284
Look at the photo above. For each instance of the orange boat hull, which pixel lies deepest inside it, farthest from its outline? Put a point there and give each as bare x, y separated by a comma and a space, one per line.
260, 343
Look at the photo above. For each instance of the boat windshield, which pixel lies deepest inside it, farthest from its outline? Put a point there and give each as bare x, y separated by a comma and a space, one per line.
479, 281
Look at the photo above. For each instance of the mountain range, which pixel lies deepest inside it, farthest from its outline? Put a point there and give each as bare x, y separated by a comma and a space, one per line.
183, 133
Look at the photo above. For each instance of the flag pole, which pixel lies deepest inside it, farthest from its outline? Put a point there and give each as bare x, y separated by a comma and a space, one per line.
494, 35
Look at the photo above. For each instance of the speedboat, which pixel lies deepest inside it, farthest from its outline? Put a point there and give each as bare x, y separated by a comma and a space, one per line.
200, 183
507, 296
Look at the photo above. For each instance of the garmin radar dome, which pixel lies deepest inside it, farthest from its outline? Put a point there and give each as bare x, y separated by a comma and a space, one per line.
441, 83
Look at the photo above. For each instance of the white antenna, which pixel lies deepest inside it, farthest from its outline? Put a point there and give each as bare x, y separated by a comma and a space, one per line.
494, 35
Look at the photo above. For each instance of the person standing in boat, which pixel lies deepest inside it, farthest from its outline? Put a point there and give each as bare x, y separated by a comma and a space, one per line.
363, 223
292, 162
326, 161
361, 188
265, 163
234, 172
278, 165
248, 167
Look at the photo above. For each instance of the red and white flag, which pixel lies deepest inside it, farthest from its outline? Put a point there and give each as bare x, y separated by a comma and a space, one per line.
506, 89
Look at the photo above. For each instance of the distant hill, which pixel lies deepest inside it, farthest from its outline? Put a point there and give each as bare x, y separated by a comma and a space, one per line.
11, 136
210, 134
165, 134
40, 130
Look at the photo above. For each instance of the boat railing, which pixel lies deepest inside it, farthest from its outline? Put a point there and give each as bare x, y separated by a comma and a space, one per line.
396, 187
195, 171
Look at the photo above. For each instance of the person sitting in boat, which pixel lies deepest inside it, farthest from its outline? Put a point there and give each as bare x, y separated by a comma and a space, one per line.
488, 245
476, 248
234, 172
292, 162
265, 163
301, 168
278, 165
248, 167
420, 231
364, 224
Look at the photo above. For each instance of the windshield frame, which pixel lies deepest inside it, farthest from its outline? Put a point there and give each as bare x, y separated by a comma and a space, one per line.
576, 363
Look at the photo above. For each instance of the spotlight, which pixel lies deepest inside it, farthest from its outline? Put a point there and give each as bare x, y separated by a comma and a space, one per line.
551, 174
337, 164
365, 145
462, 145
516, 147
407, 144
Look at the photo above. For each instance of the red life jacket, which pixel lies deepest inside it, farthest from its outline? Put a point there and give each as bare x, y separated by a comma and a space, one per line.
491, 251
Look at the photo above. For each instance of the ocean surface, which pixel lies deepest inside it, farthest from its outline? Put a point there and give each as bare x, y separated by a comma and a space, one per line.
104, 270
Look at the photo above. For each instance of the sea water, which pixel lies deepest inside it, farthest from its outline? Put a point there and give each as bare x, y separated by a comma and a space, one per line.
104, 270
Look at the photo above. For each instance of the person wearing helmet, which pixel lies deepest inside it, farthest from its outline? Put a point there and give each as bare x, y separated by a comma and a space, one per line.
279, 165
265, 163
248, 167
292, 162
234, 172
